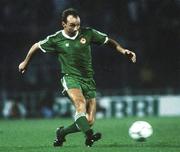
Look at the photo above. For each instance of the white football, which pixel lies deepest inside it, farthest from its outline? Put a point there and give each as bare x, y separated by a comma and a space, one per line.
140, 130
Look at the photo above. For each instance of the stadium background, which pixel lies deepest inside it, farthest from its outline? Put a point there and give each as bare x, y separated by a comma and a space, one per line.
149, 27
148, 90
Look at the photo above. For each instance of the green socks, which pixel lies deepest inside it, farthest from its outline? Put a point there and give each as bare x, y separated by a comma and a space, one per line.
83, 123
80, 124
71, 129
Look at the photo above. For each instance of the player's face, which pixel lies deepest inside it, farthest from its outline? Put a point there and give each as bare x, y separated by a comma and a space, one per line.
72, 25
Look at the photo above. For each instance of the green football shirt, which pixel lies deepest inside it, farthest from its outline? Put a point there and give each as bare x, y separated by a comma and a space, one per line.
74, 53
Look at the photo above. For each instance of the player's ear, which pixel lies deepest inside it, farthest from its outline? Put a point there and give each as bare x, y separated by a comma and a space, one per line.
63, 24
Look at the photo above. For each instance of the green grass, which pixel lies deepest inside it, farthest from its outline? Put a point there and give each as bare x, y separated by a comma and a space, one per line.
37, 136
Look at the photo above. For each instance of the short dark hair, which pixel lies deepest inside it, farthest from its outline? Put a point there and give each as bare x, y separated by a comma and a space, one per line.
67, 12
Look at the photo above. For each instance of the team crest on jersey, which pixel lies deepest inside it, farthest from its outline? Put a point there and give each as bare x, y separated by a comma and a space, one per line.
83, 40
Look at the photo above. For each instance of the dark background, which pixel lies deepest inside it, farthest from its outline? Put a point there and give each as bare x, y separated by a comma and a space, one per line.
151, 28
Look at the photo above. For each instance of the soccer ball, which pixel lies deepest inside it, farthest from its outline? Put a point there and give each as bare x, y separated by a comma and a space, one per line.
140, 130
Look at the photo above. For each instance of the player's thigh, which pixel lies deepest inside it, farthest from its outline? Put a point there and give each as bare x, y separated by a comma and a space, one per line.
91, 109
77, 98
72, 86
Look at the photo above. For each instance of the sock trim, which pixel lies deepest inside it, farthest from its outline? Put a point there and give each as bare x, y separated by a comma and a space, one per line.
78, 115
77, 126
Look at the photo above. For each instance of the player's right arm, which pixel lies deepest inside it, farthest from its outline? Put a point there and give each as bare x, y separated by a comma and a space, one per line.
46, 45
23, 65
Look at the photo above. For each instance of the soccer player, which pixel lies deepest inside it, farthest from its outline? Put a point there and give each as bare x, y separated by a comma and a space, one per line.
73, 48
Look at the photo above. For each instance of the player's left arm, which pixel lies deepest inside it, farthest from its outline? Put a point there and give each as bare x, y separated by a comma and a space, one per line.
115, 45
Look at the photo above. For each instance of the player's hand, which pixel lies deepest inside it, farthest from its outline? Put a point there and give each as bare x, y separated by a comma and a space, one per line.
22, 67
131, 55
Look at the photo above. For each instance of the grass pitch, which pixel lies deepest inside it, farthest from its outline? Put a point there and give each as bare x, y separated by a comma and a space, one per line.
38, 135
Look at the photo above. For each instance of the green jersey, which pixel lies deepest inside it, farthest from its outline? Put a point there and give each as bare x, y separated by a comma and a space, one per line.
74, 53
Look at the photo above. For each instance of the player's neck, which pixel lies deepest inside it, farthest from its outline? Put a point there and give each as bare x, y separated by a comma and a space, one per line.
68, 35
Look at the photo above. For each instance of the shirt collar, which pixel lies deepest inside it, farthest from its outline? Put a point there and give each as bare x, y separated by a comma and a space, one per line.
68, 37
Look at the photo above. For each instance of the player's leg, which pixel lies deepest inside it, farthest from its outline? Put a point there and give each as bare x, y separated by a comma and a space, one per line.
81, 122
73, 88
89, 92
91, 114
68, 82
80, 116
79, 102
91, 110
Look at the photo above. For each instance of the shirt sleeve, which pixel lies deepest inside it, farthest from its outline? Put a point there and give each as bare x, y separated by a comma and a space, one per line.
99, 37
47, 45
